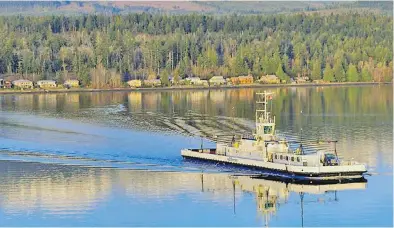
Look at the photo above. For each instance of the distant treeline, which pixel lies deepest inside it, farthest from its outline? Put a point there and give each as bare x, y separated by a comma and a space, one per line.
174, 7
103, 49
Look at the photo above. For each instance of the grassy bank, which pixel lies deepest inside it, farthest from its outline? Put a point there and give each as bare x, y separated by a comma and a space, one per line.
34, 91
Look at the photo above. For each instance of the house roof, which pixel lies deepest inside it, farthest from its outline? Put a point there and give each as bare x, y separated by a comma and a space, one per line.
21, 81
192, 78
45, 81
269, 77
217, 78
245, 76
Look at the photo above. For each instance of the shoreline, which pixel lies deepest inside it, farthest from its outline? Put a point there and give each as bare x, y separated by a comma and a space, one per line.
175, 88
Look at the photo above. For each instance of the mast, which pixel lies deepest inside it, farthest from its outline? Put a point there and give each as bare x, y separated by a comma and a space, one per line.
265, 124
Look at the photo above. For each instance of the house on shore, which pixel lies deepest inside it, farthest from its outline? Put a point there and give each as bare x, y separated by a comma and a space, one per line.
242, 80
319, 81
135, 83
217, 80
46, 84
152, 82
234, 80
269, 79
179, 82
196, 81
301, 80
204, 82
193, 80
7, 84
22, 84
71, 83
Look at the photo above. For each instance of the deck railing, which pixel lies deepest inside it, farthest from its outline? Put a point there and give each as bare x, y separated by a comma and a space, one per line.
348, 163
205, 151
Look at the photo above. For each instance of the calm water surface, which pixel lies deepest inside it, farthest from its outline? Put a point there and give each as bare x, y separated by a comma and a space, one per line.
112, 158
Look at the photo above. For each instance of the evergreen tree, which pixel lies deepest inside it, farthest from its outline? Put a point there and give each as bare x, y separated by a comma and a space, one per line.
240, 67
272, 67
365, 75
316, 70
264, 65
286, 64
352, 74
328, 74
281, 74
176, 76
256, 68
339, 72
164, 78
276, 60
212, 58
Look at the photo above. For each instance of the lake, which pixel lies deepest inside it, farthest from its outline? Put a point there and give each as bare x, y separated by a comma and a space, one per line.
113, 158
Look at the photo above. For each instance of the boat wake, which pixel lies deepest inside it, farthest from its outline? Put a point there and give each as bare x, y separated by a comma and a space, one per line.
158, 165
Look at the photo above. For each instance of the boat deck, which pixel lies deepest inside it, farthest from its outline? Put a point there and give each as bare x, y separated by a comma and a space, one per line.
233, 154
311, 172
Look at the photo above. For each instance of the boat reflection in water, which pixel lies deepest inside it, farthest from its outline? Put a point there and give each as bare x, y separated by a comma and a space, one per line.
61, 192
270, 192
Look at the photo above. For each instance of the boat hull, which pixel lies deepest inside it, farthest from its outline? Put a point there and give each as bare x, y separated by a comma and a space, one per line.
288, 171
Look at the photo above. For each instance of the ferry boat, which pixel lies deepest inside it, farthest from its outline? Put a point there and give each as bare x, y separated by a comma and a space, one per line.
266, 151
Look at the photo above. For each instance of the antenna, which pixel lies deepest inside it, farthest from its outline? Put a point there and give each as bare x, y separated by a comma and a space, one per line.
201, 132
301, 135
335, 149
266, 150
301, 150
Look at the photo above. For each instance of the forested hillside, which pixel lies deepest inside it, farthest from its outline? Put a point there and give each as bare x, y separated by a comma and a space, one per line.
183, 7
105, 50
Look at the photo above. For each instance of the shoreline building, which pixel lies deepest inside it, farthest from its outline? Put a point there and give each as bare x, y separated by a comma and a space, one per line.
46, 84
23, 84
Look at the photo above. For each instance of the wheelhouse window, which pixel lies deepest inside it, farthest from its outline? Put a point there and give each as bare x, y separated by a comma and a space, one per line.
281, 157
330, 156
298, 159
330, 159
287, 158
292, 159
267, 129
